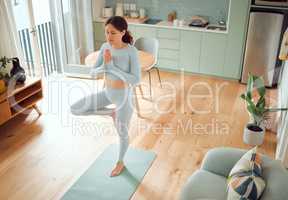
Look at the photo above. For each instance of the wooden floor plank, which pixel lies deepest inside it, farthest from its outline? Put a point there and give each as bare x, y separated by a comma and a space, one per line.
42, 157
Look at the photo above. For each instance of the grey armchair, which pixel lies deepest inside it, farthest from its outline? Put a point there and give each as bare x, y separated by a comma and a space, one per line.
210, 181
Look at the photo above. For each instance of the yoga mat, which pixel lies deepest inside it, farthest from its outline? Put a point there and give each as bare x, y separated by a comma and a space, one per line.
96, 183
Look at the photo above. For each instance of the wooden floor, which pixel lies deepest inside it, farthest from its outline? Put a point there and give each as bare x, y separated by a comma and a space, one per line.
42, 156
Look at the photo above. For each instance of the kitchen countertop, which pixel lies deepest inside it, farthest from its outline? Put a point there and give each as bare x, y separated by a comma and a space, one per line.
169, 25
166, 24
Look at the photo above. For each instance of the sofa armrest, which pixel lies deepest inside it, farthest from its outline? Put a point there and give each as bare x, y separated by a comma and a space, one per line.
221, 160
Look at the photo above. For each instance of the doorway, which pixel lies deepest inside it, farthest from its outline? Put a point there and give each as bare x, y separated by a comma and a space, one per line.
35, 31
75, 34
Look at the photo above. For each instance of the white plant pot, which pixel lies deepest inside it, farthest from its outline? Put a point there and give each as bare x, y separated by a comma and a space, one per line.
253, 137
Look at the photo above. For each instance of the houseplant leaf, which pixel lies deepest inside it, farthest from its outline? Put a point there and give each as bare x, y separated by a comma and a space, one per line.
249, 88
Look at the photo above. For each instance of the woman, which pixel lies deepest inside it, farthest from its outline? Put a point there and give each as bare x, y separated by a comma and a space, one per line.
118, 60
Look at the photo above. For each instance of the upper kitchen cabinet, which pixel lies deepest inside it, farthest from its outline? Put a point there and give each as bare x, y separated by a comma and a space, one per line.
190, 49
238, 20
213, 52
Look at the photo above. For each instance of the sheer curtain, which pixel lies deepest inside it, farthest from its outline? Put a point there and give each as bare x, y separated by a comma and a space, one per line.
282, 136
9, 41
78, 30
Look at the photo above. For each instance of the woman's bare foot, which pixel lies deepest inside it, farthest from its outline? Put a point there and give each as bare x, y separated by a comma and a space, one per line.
118, 169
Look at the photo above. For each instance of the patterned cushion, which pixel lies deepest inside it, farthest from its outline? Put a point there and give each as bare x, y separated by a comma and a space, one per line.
245, 180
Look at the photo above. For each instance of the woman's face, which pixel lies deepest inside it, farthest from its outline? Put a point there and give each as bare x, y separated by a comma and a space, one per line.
113, 36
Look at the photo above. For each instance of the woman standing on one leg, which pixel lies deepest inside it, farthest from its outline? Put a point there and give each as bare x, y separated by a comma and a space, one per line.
118, 60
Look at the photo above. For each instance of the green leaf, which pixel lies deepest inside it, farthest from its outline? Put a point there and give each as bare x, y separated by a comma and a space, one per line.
249, 101
249, 86
243, 96
261, 102
259, 110
252, 109
275, 109
259, 84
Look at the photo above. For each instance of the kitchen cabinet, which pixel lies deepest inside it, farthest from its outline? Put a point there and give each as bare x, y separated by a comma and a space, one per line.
190, 49
168, 34
218, 53
169, 54
143, 31
168, 64
239, 16
132, 29
99, 31
169, 45
99, 34
213, 51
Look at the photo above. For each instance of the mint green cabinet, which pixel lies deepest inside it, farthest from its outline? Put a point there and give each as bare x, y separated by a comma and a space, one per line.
168, 48
168, 44
164, 33
168, 64
190, 49
99, 31
169, 54
239, 13
99, 34
144, 31
213, 51
132, 29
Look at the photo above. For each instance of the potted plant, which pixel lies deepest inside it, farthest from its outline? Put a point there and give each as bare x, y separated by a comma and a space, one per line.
256, 107
5, 66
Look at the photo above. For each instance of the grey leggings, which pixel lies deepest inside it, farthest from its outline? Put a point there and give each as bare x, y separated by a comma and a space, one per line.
96, 104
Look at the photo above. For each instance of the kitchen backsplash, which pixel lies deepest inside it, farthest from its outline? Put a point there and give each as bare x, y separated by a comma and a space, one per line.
214, 9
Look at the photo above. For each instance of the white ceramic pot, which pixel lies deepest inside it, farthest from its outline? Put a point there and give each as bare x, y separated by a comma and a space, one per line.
107, 12
142, 12
175, 22
252, 136
119, 10
134, 14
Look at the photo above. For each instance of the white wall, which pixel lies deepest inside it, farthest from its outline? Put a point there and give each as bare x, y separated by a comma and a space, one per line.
282, 136
97, 6
9, 42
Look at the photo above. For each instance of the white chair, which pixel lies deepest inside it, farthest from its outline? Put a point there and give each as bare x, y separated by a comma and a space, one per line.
149, 45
